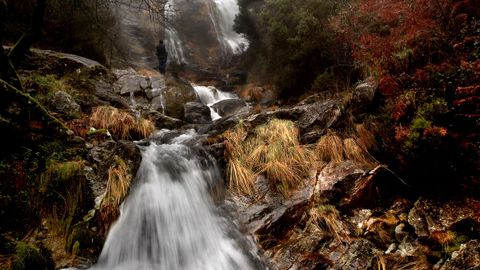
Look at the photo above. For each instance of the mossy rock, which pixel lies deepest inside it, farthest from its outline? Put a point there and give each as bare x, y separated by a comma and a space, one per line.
31, 257
83, 240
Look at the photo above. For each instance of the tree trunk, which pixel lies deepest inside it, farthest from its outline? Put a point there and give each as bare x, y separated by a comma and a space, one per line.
7, 72
28, 39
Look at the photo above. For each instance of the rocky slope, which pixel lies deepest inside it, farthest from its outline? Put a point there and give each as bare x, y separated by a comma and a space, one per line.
63, 189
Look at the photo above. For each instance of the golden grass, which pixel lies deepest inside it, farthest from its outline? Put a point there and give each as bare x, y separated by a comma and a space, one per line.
330, 148
381, 262
328, 218
272, 150
365, 137
118, 184
120, 123
241, 177
444, 238
354, 152
119, 181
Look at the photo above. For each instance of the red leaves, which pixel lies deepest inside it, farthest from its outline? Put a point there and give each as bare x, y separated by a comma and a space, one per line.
435, 131
388, 85
401, 133
388, 30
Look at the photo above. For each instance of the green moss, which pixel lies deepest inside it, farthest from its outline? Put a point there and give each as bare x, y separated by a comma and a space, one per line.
80, 237
29, 257
45, 83
59, 174
76, 248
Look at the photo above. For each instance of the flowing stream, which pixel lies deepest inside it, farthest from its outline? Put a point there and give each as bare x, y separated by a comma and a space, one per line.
169, 220
210, 95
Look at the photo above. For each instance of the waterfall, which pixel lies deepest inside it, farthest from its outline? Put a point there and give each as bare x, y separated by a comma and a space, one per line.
169, 221
210, 95
222, 15
173, 44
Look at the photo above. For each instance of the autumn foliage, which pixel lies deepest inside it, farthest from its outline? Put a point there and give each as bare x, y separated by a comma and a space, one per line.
426, 57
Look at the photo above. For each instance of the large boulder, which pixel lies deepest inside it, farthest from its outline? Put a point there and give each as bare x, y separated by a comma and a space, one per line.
63, 103
431, 216
468, 257
336, 179
363, 95
176, 94
360, 255
271, 216
128, 84
312, 119
229, 106
197, 113
162, 121
102, 158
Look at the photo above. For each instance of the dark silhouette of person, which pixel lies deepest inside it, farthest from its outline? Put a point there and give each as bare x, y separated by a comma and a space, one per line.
162, 57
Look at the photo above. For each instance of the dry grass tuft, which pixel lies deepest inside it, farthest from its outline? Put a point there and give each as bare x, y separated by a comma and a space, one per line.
328, 218
273, 150
353, 151
241, 177
118, 184
330, 148
365, 137
444, 238
381, 262
120, 123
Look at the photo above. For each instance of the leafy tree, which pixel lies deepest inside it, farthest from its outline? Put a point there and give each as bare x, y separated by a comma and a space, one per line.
295, 39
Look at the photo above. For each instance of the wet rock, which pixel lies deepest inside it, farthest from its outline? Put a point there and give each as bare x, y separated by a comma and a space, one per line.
197, 113
363, 95
102, 157
162, 121
64, 104
223, 124
468, 257
105, 93
400, 232
229, 106
359, 256
336, 180
312, 119
131, 84
176, 94
301, 252
271, 215
429, 215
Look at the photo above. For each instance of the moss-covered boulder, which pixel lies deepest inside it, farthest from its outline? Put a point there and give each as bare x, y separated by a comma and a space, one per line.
29, 257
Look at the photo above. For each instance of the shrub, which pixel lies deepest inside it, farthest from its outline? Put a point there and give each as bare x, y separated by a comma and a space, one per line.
121, 124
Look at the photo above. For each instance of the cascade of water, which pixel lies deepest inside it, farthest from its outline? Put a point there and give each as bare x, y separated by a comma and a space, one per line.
222, 15
210, 95
173, 44
168, 221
